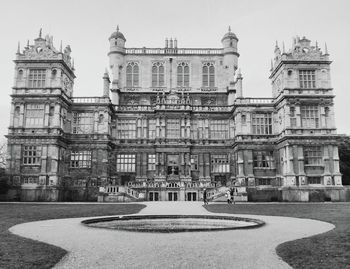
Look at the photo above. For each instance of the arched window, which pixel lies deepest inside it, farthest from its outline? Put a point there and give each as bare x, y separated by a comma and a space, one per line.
183, 75
132, 74
158, 74
208, 75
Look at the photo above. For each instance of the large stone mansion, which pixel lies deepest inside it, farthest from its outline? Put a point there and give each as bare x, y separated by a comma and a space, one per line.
169, 122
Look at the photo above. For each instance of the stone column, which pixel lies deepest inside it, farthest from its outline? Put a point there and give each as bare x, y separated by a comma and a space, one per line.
157, 127
145, 128
327, 179
138, 166
157, 163
56, 117
188, 128
144, 167
301, 172
138, 128
201, 166
182, 128
12, 113
336, 172
290, 175
21, 116
207, 166
44, 153
298, 115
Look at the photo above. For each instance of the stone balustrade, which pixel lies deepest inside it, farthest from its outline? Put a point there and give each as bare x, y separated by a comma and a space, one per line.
184, 51
90, 100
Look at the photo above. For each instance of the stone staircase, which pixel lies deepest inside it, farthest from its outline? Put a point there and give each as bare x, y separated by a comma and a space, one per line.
117, 193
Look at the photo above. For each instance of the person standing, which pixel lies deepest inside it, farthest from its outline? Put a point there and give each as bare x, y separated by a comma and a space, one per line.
232, 191
228, 196
205, 199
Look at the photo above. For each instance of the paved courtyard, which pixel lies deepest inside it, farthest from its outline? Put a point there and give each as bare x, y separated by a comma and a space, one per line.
102, 248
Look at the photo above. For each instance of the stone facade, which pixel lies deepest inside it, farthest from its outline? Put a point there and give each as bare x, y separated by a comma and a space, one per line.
170, 122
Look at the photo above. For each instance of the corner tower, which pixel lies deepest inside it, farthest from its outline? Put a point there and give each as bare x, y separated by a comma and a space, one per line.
301, 86
41, 98
116, 62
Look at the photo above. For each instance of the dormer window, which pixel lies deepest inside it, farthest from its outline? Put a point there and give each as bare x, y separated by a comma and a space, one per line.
37, 78
307, 79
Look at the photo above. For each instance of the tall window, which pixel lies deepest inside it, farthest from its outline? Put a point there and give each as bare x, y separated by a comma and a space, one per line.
218, 129
173, 128
194, 162
126, 128
309, 116
132, 74
37, 78
152, 129
35, 115
151, 162
183, 75
220, 164
307, 79
158, 74
208, 75
31, 155
194, 129
263, 159
80, 159
262, 123
82, 122
126, 162
313, 155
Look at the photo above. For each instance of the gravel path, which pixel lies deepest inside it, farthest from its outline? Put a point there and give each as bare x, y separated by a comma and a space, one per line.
102, 248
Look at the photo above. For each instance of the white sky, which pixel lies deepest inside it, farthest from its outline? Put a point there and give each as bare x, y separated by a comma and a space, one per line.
86, 26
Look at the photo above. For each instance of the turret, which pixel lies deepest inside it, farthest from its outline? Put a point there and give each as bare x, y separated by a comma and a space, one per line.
229, 43
116, 61
106, 84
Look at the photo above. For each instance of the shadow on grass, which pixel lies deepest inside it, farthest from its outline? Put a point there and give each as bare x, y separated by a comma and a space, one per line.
19, 252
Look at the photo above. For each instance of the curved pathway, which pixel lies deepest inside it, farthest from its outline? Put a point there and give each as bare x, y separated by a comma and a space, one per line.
103, 248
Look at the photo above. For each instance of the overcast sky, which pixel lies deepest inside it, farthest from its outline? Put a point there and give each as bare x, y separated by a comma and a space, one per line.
86, 26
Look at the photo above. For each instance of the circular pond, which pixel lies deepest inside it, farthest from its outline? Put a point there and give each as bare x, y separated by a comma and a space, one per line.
174, 223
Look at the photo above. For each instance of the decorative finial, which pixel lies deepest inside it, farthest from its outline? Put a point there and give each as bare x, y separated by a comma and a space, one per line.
283, 48
229, 29
19, 48
276, 44
61, 46
325, 49
28, 43
316, 44
40, 32
118, 28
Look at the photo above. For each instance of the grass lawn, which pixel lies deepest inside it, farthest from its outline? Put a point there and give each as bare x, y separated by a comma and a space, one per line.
328, 250
18, 252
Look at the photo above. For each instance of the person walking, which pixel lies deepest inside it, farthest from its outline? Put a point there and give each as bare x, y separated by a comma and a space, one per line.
228, 196
232, 192
205, 199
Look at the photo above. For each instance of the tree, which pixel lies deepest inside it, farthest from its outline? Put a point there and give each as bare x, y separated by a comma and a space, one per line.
4, 186
344, 158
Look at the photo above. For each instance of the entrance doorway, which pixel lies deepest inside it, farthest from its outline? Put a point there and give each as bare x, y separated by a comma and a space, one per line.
153, 196
172, 196
191, 196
